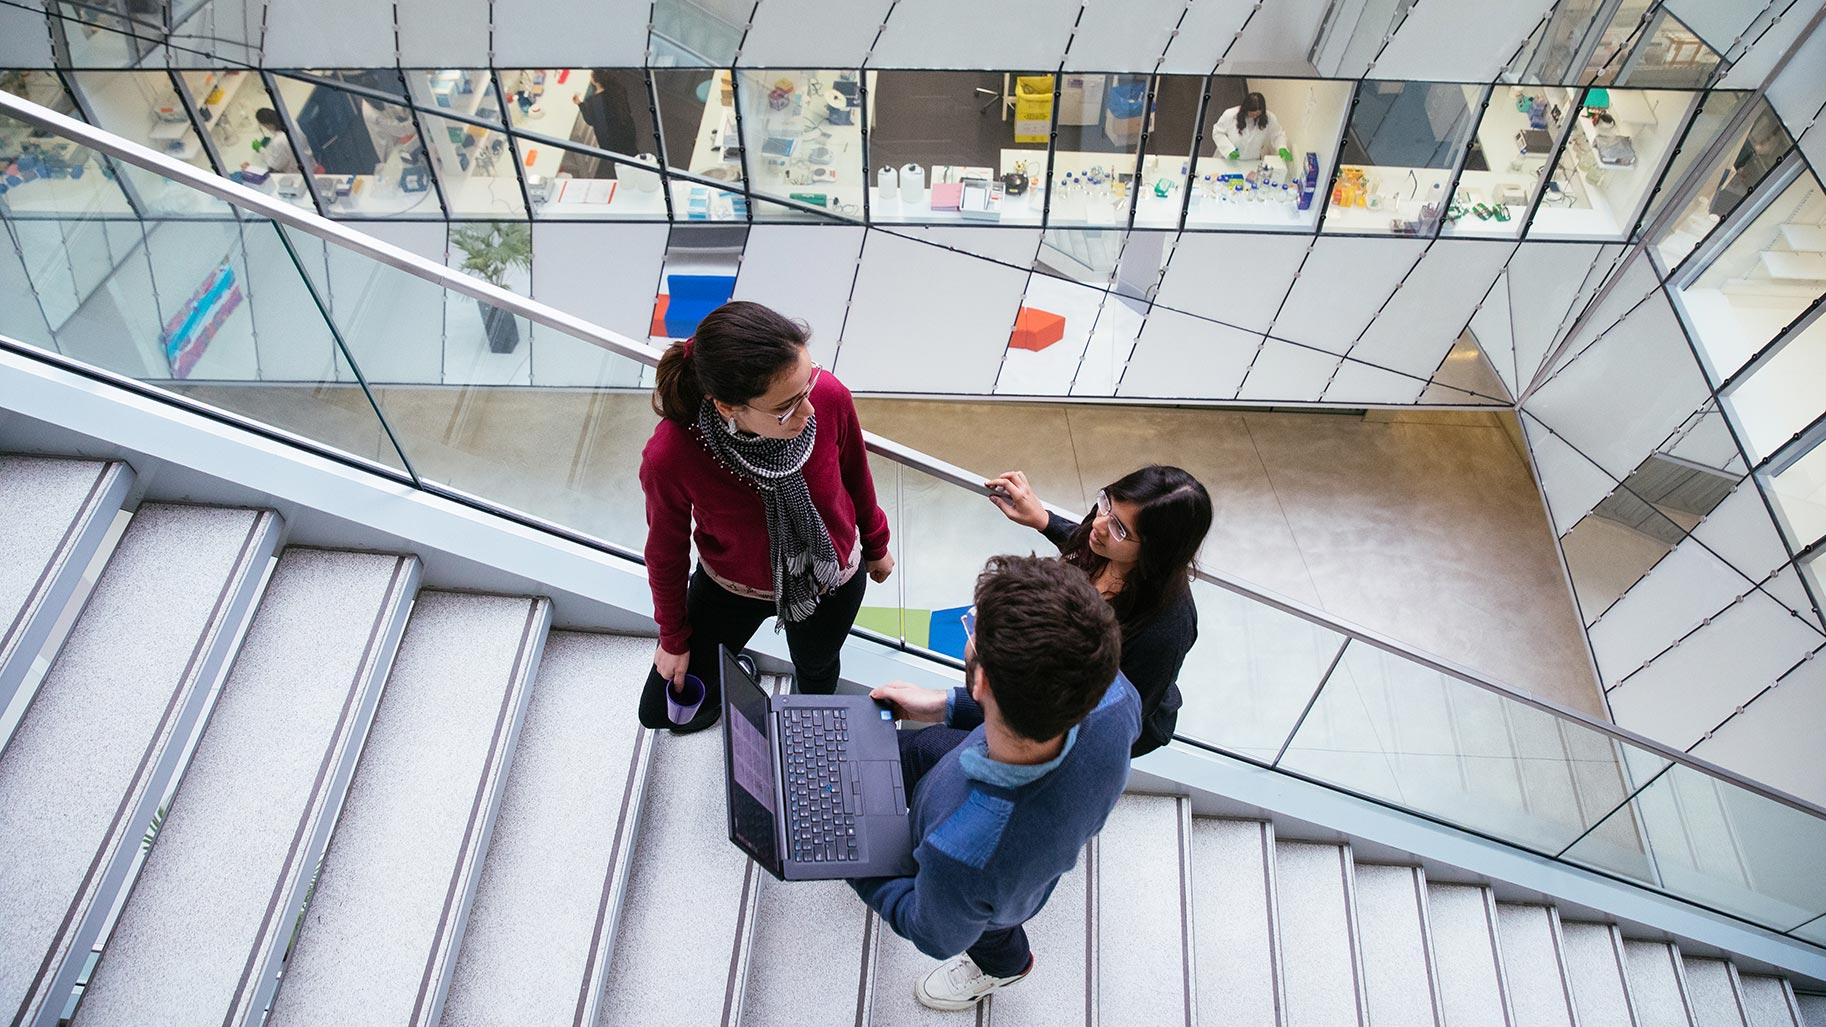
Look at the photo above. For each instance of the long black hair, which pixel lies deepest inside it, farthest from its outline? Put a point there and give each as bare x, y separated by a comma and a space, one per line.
736, 353
1256, 102
1175, 514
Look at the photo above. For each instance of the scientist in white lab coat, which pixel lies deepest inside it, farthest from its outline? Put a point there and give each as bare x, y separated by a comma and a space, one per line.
1250, 131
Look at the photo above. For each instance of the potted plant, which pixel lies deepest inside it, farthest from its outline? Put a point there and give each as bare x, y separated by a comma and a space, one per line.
489, 252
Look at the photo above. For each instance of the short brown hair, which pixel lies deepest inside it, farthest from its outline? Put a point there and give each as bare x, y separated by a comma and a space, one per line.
1048, 642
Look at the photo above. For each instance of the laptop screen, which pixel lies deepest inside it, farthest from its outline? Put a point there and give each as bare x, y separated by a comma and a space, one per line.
749, 765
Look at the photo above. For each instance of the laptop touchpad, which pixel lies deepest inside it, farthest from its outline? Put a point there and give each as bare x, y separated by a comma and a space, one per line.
878, 788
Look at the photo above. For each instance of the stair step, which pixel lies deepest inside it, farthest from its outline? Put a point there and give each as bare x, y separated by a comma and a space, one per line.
897, 966
542, 925
96, 750
793, 919
1465, 944
684, 917
1144, 962
1238, 955
209, 917
1061, 989
1714, 993
386, 918
54, 515
1318, 931
1655, 985
1600, 984
1397, 958
1769, 1002
1534, 965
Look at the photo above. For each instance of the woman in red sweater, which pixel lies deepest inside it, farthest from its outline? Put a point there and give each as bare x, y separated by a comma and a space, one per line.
762, 449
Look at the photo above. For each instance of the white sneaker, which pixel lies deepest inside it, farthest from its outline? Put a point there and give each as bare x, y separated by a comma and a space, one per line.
958, 983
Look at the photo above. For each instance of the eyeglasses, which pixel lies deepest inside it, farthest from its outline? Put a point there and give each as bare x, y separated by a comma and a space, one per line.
799, 400
968, 620
1117, 528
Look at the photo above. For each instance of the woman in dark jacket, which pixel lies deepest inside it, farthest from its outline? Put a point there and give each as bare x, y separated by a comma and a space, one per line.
1138, 547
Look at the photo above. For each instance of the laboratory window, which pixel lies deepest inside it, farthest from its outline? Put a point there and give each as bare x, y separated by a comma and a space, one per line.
365, 152
1167, 149
1796, 486
1779, 395
144, 106
1267, 170
45, 175
1403, 143
702, 138
1759, 147
249, 136
558, 114
1668, 56
949, 147
802, 131
1506, 166
1614, 151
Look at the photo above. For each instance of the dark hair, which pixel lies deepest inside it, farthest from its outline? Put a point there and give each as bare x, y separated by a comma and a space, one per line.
736, 353
601, 78
268, 119
1254, 101
1175, 514
1048, 642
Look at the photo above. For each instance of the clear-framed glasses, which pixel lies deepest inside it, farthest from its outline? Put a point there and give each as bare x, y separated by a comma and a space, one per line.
799, 400
968, 620
1105, 509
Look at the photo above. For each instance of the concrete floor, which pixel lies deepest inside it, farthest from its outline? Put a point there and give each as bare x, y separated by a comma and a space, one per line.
1426, 527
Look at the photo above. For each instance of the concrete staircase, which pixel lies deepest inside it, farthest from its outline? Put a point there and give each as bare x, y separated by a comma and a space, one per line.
380, 804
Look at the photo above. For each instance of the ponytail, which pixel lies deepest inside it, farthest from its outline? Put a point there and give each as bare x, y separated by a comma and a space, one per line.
677, 395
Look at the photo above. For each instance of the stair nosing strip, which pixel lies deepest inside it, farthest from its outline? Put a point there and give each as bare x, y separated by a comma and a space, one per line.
518, 680
1277, 962
736, 984
364, 671
135, 795
612, 881
865, 987
59, 554
1182, 822
1090, 931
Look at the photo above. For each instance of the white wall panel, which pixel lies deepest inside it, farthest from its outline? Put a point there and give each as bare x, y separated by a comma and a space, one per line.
1769, 45
1341, 286
1634, 281
1572, 483
1208, 29
1277, 39
1422, 321
1741, 532
1239, 280
570, 272
329, 34
1015, 35
443, 33
1785, 585
571, 33
1779, 737
1687, 586
1695, 686
1015, 246
25, 39
1125, 35
1185, 357
1493, 326
812, 33
1458, 42
802, 271
1361, 383
1112, 341
1544, 279
1286, 373
1049, 371
1799, 91
923, 319
1620, 400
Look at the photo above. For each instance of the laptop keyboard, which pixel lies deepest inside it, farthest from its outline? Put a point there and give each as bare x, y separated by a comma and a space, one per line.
820, 822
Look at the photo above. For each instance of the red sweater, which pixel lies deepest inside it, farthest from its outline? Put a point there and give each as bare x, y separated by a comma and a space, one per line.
683, 482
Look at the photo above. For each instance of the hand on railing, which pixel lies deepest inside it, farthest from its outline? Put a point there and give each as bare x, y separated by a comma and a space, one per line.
1015, 498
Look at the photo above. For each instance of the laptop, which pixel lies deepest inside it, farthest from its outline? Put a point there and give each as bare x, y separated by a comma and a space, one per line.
813, 781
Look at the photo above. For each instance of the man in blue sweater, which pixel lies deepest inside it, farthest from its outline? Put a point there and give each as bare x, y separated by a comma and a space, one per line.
1032, 754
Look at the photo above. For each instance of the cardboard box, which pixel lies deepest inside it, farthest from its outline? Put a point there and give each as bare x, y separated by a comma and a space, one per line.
1122, 131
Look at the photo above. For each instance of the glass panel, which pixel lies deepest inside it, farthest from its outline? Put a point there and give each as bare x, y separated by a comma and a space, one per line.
109, 33
1612, 158
1166, 163
1613, 46
1798, 492
804, 139
1396, 165
1781, 395
466, 92
143, 106
1814, 931
1770, 274
1389, 728
1672, 56
1724, 847
884, 604
706, 33
1559, 45
1098, 144
698, 123
607, 108
929, 131
1306, 115
369, 159
572, 185
1759, 149
475, 166
1249, 676
47, 175
1507, 163
243, 122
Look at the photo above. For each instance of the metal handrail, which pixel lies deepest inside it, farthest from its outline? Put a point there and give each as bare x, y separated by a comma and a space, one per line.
550, 317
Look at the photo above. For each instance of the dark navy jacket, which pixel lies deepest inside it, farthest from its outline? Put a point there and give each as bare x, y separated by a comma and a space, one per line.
996, 838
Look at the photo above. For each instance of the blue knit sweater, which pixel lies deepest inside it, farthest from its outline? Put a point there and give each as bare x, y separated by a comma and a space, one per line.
996, 838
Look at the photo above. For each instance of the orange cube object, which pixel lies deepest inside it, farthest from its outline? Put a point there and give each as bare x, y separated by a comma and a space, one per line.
1036, 329
658, 328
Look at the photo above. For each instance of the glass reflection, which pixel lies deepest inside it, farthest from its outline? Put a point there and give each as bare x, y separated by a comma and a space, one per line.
143, 106
367, 155
44, 174
1404, 140
803, 131
243, 122
1670, 56
702, 137
1760, 148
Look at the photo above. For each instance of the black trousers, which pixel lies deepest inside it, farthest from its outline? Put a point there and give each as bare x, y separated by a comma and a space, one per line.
720, 617
1001, 952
